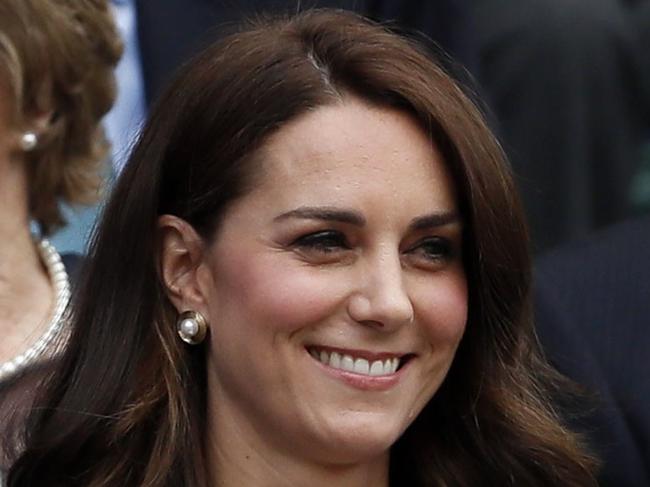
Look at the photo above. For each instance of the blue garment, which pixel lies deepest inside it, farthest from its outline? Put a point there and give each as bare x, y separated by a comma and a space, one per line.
125, 119
122, 125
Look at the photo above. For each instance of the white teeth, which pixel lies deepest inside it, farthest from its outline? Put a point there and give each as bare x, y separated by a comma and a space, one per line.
358, 366
377, 368
324, 357
347, 363
335, 360
361, 366
388, 366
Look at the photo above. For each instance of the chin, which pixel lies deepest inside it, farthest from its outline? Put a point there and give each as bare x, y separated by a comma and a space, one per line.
360, 437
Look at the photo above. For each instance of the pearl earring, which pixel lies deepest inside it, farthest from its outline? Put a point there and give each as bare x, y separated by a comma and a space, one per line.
191, 327
28, 141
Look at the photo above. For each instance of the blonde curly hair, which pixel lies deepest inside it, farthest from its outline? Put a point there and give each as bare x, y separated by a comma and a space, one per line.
58, 57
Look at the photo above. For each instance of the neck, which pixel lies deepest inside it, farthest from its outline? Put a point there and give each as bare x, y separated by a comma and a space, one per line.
18, 253
14, 211
238, 455
25, 292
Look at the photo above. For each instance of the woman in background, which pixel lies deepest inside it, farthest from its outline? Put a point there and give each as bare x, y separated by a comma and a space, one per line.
313, 271
56, 83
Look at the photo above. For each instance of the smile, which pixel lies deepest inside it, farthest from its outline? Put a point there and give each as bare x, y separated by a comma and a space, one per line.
354, 364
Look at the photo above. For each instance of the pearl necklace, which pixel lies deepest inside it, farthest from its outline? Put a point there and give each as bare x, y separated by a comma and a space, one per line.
61, 284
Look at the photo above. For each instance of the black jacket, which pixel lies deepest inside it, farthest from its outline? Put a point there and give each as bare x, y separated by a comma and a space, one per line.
593, 319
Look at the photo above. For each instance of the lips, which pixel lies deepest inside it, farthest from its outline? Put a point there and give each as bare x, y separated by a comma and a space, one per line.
352, 362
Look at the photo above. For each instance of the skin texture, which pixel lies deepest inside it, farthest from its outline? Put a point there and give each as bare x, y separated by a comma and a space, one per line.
25, 290
286, 273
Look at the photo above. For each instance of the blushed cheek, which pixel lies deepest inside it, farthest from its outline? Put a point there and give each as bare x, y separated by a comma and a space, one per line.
280, 293
445, 316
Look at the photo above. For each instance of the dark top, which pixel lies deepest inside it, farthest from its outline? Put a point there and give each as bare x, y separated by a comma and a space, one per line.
593, 318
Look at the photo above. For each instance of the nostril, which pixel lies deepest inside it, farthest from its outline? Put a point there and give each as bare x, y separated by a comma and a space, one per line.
371, 323
381, 310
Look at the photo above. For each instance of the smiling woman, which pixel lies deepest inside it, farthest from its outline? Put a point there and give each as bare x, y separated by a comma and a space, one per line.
314, 279
324, 200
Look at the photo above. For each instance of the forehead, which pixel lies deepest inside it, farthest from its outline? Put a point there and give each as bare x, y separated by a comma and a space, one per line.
353, 150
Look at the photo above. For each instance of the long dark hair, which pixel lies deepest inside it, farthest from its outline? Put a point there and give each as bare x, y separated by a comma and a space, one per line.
126, 403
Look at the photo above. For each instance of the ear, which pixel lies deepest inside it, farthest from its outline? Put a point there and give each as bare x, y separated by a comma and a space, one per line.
181, 253
42, 121
39, 124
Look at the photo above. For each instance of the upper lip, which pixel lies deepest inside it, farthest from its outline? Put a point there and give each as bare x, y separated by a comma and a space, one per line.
359, 353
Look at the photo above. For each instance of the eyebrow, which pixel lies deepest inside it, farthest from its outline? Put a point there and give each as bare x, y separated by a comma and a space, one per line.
327, 213
324, 213
435, 220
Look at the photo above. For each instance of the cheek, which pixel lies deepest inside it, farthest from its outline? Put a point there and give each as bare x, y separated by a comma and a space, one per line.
443, 310
273, 290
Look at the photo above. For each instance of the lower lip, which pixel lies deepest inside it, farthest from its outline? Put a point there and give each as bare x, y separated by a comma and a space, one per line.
364, 382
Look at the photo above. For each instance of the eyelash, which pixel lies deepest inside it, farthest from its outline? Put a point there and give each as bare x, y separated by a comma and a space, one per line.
440, 249
325, 241
329, 241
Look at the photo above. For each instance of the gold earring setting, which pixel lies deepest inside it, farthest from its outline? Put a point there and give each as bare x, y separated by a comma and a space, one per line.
191, 327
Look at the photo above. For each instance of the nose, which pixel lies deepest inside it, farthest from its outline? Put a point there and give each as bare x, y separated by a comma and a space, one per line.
382, 299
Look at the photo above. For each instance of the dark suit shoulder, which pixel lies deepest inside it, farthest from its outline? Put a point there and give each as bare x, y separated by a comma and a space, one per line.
597, 293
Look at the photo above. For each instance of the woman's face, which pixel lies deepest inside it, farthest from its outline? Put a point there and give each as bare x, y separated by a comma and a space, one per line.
335, 289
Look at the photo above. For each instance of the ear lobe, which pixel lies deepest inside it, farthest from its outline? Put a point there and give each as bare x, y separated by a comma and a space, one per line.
180, 256
38, 125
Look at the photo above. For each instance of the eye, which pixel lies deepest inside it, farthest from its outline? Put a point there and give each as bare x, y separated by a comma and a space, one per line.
432, 250
326, 241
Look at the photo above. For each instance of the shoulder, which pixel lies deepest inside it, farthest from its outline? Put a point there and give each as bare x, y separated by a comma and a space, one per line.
592, 301
601, 286
610, 253
603, 281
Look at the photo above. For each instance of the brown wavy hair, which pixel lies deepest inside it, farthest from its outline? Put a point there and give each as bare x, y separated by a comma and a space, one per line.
126, 404
59, 56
